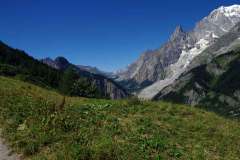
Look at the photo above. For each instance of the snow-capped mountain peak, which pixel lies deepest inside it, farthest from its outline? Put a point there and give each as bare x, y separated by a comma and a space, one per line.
161, 67
230, 11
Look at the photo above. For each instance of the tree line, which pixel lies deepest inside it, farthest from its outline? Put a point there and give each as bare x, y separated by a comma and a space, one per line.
17, 63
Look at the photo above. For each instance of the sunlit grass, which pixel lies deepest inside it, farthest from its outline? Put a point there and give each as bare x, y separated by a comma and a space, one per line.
36, 124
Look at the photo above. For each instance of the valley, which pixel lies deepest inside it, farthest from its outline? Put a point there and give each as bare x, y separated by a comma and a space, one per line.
180, 101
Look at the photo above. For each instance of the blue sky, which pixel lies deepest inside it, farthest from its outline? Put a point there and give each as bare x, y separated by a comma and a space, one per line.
109, 34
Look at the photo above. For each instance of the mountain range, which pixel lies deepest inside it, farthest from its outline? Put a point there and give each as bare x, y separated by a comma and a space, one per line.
212, 78
159, 68
51, 108
196, 67
189, 68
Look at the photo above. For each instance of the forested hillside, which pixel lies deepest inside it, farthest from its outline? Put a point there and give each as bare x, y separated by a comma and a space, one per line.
68, 81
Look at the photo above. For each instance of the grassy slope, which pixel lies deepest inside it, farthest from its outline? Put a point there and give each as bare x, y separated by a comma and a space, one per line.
35, 124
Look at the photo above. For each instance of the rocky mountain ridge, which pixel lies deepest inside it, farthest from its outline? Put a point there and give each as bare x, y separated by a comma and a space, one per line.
161, 67
56, 63
214, 81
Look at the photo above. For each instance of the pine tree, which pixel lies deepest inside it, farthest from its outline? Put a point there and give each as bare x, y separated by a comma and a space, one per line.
84, 87
67, 81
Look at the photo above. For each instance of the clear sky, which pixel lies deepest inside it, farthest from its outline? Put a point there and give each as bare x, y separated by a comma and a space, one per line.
109, 34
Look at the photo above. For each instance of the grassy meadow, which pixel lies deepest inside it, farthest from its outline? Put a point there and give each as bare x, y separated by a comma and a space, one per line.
43, 125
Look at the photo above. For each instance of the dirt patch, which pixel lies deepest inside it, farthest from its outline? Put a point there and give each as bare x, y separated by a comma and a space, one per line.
5, 152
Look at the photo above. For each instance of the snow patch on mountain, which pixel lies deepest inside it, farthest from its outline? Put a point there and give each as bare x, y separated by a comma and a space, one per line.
230, 11
187, 56
223, 29
215, 36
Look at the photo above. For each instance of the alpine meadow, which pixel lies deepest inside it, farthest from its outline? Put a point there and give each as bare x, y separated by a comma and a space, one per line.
180, 101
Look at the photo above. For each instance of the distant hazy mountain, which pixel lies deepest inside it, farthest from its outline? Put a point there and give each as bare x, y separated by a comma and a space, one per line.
95, 70
91, 69
159, 68
59, 63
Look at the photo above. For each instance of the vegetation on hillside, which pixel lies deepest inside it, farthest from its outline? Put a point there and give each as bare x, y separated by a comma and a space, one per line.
214, 86
43, 125
16, 63
73, 85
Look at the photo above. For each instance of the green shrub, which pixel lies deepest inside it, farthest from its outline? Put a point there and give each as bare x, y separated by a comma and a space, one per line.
83, 87
134, 101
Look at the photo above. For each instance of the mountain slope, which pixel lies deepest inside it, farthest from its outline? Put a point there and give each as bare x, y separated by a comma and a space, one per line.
225, 43
164, 65
212, 78
41, 125
14, 62
107, 86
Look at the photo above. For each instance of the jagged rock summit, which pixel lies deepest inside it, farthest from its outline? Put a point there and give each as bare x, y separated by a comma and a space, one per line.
178, 33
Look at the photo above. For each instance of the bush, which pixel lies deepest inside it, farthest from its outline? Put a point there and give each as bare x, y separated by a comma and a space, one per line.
68, 78
134, 101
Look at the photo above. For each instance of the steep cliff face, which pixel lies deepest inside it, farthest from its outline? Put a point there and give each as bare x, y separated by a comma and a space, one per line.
106, 86
163, 66
150, 67
111, 89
